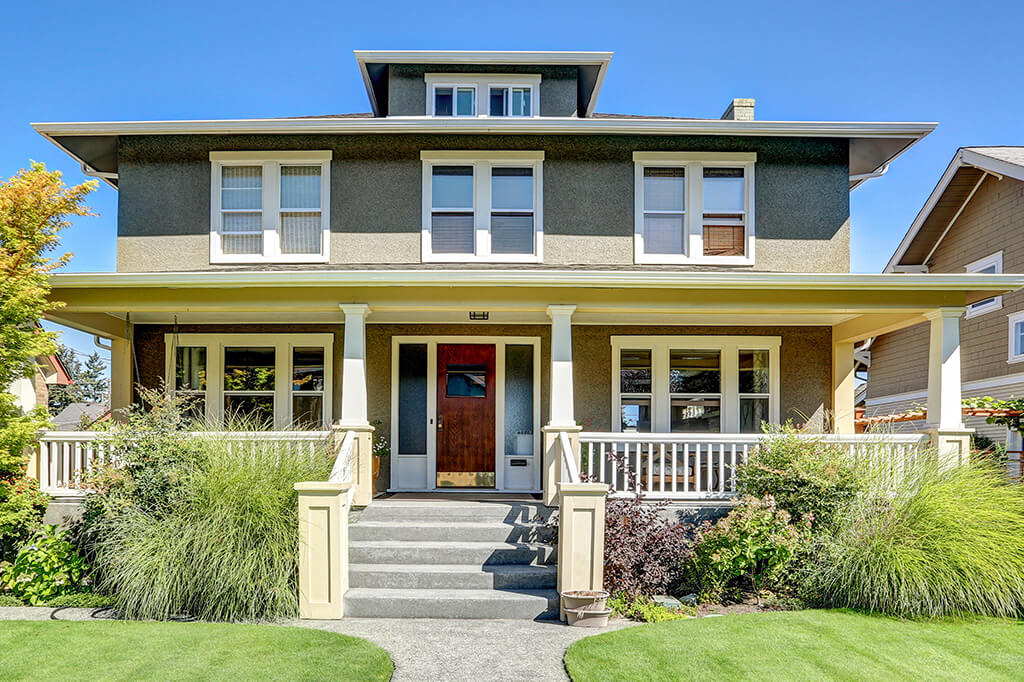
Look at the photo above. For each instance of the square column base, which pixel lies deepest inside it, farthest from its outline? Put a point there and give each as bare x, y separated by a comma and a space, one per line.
362, 465
953, 446
553, 458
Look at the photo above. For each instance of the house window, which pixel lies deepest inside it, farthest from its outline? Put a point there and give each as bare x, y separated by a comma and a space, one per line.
265, 380
482, 206
269, 207
1016, 350
482, 95
990, 265
694, 208
696, 384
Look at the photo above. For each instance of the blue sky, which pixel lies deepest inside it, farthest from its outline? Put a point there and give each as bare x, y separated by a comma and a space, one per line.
950, 62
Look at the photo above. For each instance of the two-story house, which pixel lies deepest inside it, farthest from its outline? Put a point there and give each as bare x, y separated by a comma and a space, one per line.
967, 225
482, 255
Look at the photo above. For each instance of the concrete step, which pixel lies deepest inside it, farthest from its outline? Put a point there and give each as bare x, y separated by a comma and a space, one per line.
467, 553
441, 603
449, 531
452, 577
456, 510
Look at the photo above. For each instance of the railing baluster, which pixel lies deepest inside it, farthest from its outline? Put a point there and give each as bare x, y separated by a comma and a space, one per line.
674, 469
650, 467
615, 466
721, 468
686, 468
661, 450
732, 468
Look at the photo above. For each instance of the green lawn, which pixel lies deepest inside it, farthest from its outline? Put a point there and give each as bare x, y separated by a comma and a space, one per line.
111, 650
803, 645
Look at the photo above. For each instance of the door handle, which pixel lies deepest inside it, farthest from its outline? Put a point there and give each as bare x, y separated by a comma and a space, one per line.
440, 422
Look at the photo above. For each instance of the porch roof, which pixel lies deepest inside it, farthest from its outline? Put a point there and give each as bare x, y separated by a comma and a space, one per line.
855, 305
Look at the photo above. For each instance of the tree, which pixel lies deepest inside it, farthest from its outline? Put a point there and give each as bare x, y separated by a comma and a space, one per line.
35, 206
89, 381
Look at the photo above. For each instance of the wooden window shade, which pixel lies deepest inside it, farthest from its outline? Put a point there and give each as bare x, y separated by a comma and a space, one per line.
723, 240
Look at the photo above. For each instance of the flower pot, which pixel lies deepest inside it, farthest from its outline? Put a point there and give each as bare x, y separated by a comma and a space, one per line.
588, 618
586, 600
376, 469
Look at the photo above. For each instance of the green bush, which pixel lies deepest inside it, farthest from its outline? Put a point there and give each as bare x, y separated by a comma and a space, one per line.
81, 600
45, 568
22, 506
645, 610
755, 542
10, 600
936, 542
808, 477
222, 545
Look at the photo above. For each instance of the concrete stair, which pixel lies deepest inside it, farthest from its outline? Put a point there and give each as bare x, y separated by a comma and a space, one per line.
451, 559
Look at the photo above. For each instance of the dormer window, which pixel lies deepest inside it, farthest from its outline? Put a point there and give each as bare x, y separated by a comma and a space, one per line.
483, 95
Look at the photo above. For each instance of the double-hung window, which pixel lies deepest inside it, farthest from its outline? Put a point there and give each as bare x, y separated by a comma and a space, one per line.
262, 380
454, 100
694, 208
1016, 350
695, 384
990, 265
482, 206
482, 95
269, 207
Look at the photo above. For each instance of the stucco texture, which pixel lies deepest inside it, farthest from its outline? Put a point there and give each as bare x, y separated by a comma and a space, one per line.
801, 195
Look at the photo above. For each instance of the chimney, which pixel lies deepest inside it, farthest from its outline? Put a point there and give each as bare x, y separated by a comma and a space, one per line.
740, 110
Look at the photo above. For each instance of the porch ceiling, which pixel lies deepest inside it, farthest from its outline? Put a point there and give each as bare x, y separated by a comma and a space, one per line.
861, 305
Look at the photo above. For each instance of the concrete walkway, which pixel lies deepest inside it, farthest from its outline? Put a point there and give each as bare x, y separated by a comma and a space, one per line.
428, 649
470, 650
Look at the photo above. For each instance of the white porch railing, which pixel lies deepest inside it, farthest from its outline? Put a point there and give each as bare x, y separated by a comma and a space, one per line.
703, 466
64, 457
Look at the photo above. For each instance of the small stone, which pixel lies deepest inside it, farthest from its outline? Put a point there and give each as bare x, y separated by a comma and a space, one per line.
670, 603
688, 599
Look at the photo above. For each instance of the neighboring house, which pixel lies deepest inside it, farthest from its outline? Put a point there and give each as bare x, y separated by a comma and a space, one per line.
482, 263
32, 392
79, 415
973, 222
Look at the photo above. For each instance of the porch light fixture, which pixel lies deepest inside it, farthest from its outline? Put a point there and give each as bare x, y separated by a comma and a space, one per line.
479, 315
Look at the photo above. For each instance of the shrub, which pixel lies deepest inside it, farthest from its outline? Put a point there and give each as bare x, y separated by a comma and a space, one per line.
45, 568
645, 610
644, 550
222, 545
81, 600
10, 600
808, 477
756, 541
937, 542
22, 506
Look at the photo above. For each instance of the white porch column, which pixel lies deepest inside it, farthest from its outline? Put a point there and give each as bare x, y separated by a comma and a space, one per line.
563, 416
121, 379
354, 400
843, 387
945, 415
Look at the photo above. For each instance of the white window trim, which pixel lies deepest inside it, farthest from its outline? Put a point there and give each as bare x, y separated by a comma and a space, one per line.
693, 242
1011, 356
282, 344
271, 210
482, 163
991, 304
483, 83
661, 398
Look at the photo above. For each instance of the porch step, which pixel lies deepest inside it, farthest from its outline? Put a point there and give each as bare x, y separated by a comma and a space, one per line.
448, 552
447, 603
452, 576
457, 510
447, 531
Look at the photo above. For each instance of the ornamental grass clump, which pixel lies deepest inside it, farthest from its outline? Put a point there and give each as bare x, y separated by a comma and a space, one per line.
225, 549
936, 542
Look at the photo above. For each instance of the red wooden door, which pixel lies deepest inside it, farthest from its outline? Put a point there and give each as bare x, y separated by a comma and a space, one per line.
465, 415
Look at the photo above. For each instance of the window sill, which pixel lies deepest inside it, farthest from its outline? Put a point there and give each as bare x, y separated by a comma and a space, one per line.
1016, 360
283, 260
968, 314
666, 259
470, 259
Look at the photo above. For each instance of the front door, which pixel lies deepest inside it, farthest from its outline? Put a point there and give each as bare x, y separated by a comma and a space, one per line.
465, 415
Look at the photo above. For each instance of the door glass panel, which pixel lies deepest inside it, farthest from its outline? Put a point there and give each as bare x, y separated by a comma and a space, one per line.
518, 400
635, 371
412, 399
696, 415
695, 371
636, 414
466, 381
753, 371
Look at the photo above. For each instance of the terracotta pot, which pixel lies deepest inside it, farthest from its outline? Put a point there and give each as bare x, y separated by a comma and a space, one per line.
584, 600
588, 618
376, 468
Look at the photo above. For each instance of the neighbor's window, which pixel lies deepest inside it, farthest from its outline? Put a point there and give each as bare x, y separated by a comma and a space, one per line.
990, 265
1016, 353
269, 207
693, 384
482, 209
693, 208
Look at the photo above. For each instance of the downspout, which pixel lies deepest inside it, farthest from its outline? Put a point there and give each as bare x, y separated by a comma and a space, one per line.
98, 341
873, 174
93, 173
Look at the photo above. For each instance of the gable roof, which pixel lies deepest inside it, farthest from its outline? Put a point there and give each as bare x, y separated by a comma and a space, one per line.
961, 179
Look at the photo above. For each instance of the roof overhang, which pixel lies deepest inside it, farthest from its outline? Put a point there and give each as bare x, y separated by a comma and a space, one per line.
872, 144
954, 189
592, 67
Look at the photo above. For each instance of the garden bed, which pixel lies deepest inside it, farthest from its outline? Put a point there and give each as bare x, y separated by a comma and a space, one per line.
133, 650
803, 645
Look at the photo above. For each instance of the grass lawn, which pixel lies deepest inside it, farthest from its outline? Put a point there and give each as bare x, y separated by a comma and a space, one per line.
803, 645
112, 650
